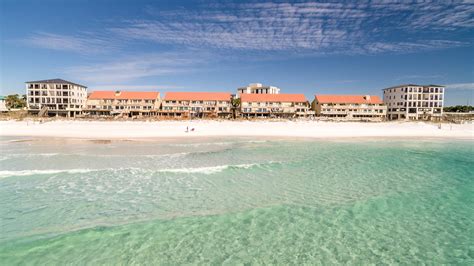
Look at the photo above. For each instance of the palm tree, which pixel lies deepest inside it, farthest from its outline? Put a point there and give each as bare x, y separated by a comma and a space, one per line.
15, 101
235, 106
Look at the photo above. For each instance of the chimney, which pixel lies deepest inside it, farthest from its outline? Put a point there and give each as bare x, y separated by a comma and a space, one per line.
367, 97
117, 93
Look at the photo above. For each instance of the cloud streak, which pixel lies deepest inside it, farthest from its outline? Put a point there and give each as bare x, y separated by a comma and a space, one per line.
324, 28
305, 27
135, 67
132, 87
83, 44
460, 86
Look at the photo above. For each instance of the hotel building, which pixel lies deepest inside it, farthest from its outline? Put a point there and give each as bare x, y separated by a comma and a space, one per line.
258, 88
350, 107
197, 104
55, 97
122, 103
414, 101
274, 105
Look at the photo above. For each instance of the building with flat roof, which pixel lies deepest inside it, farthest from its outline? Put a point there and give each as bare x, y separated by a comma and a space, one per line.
197, 104
414, 102
349, 107
122, 103
55, 97
257, 88
274, 105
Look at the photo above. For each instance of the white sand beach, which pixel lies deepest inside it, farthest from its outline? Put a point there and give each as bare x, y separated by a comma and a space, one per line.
207, 128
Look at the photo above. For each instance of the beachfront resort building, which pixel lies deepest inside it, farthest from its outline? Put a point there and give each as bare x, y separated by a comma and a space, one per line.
258, 88
55, 97
3, 104
122, 103
349, 107
414, 102
274, 105
197, 104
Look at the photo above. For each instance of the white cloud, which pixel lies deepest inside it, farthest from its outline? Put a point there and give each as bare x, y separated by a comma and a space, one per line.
324, 28
130, 68
293, 28
409, 77
460, 86
408, 47
83, 44
131, 87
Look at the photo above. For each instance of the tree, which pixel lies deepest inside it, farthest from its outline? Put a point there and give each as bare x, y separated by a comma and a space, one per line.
459, 108
235, 105
15, 101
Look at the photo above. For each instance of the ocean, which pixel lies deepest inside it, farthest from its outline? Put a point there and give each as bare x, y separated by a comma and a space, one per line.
236, 201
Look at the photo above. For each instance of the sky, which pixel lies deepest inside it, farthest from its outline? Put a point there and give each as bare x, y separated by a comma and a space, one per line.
298, 46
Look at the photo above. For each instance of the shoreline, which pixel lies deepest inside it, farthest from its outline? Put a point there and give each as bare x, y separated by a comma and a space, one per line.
152, 130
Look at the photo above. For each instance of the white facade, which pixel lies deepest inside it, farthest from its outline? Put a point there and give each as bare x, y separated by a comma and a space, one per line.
350, 107
60, 97
274, 105
122, 103
196, 104
414, 101
258, 88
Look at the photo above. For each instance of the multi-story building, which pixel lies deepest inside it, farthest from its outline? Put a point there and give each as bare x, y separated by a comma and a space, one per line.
258, 88
55, 97
197, 104
274, 105
123, 103
349, 107
414, 102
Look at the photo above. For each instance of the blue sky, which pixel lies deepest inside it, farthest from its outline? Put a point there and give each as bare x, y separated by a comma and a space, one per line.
306, 47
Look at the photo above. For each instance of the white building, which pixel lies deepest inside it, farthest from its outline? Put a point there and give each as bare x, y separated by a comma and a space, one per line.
197, 104
414, 102
123, 103
350, 107
274, 105
55, 97
258, 88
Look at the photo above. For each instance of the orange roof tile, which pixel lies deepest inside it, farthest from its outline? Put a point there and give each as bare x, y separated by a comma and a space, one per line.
348, 99
283, 97
124, 95
197, 96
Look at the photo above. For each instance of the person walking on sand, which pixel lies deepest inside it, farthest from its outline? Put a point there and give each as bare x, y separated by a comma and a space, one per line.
187, 129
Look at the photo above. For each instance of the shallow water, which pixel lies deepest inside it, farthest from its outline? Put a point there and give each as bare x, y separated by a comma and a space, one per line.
236, 201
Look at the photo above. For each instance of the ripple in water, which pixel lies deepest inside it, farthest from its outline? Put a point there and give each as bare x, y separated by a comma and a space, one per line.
266, 202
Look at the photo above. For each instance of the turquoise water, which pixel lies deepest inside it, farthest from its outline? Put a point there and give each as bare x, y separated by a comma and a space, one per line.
236, 201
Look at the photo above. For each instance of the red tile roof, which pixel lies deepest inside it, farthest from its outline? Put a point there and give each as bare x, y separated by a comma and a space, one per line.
197, 96
124, 95
283, 97
348, 99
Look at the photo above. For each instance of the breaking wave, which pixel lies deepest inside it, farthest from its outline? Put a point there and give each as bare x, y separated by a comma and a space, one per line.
189, 170
8, 173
